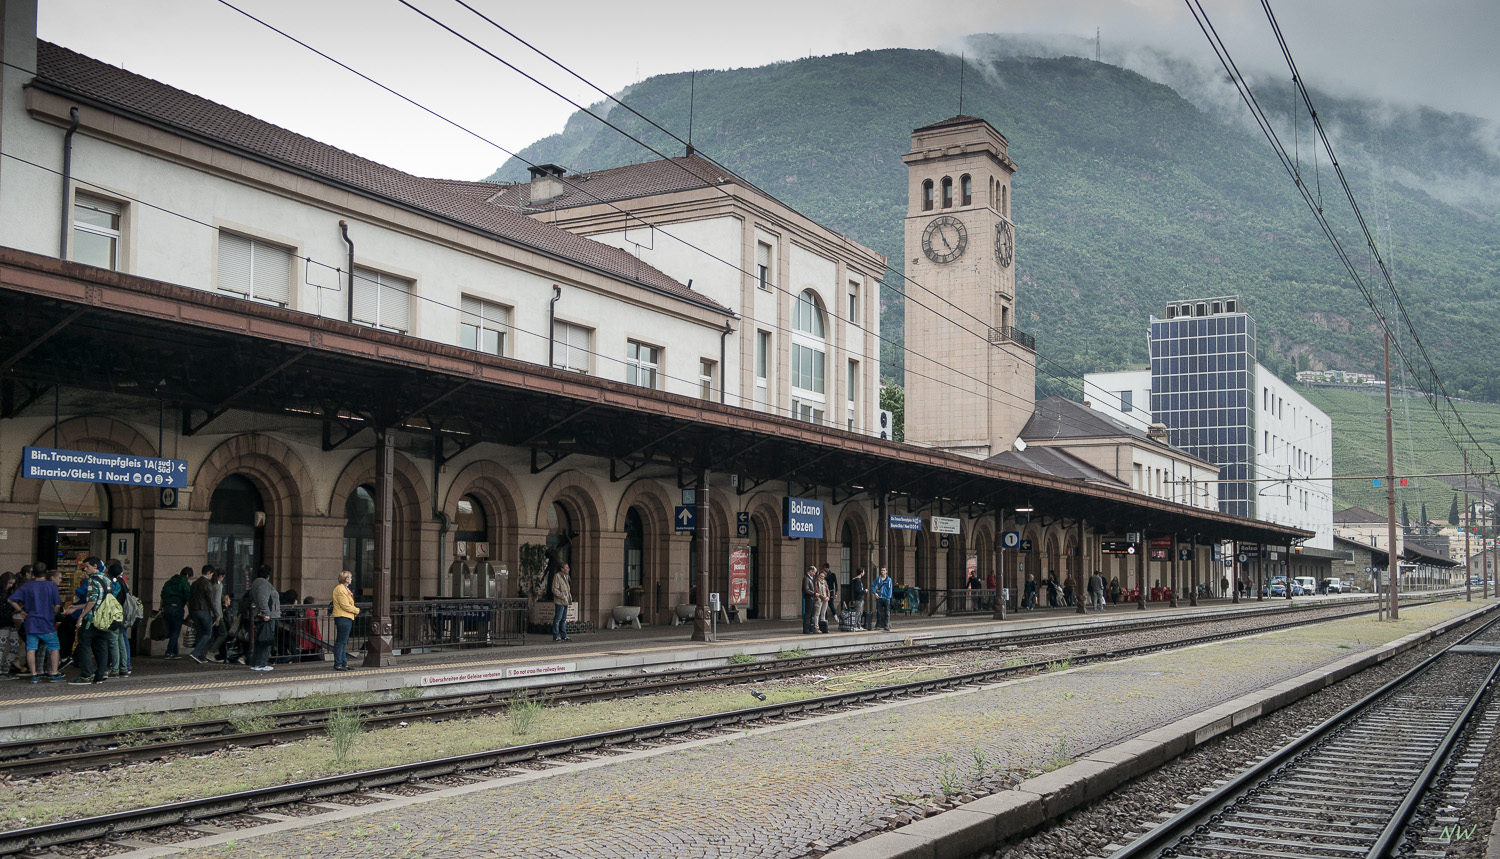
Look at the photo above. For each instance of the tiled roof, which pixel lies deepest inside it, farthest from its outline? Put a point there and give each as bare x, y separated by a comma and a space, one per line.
1058, 417
73, 73
1055, 463
662, 176
1357, 515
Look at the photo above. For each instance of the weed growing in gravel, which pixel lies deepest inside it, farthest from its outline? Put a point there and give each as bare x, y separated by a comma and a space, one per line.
1015, 662
1060, 757
343, 729
740, 658
250, 724
316, 701
981, 762
131, 722
947, 776
524, 712
1060, 664
792, 654
408, 692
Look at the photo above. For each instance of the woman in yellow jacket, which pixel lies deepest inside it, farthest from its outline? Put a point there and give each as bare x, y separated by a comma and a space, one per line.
344, 612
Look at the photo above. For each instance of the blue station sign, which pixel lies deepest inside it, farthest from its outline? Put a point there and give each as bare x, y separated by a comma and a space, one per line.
122, 469
906, 523
802, 518
684, 519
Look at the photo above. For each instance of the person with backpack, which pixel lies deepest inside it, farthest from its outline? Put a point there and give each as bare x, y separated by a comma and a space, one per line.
175, 595
96, 619
203, 608
130, 606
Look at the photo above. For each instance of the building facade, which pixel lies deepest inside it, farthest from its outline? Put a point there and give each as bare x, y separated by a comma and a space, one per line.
1214, 400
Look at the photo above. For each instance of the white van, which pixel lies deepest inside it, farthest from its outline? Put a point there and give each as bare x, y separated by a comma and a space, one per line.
1308, 584
1331, 586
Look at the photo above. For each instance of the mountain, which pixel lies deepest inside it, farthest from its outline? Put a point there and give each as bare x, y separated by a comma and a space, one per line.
1128, 196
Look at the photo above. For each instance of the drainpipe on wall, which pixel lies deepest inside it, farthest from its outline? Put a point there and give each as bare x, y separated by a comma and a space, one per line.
344, 228
723, 366
552, 326
67, 185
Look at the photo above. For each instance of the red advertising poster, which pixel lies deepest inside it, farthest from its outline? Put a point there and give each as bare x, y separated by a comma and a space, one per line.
971, 565
1160, 547
739, 575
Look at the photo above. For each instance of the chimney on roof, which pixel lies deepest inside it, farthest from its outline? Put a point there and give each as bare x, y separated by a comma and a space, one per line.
1157, 432
546, 182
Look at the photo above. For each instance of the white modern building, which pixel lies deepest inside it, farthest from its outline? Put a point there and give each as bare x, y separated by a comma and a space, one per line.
1273, 447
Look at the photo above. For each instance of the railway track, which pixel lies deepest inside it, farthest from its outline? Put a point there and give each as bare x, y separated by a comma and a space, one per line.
484, 766
40, 756
1348, 788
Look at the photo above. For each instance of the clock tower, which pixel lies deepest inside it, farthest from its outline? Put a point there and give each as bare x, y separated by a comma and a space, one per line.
970, 373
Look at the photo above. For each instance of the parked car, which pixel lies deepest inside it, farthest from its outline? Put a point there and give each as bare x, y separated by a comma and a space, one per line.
1307, 584
1277, 589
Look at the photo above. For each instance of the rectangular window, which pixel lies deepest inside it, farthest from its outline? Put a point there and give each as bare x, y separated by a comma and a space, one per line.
382, 300
810, 412
854, 301
571, 347
641, 362
96, 231
763, 265
762, 357
1127, 401
482, 325
853, 395
807, 368
255, 270
706, 378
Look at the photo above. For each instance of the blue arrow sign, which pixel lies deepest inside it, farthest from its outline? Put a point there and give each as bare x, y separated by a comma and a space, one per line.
685, 519
1025, 545
45, 463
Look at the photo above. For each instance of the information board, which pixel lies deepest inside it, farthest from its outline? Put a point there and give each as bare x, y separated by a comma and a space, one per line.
45, 463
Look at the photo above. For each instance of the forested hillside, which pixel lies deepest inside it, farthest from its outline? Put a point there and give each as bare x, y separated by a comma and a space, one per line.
1127, 196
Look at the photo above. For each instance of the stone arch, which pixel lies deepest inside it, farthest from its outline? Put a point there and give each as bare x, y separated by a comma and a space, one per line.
412, 506
776, 596
285, 487
982, 543
579, 495
853, 516
497, 489
655, 509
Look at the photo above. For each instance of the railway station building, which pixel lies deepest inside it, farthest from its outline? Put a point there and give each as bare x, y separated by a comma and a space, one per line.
417, 379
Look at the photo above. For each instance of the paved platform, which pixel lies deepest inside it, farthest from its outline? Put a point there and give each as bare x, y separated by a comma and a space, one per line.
791, 790
167, 685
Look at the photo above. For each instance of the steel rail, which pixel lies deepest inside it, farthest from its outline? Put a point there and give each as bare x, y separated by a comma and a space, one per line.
188, 811
23, 758
1164, 840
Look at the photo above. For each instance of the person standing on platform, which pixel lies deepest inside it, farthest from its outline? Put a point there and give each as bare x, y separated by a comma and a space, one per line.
265, 608
562, 597
832, 580
344, 613
857, 598
90, 638
884, 588
204, 610
1115, 591
36, 603
175, 595
1028, 596
810, 601
821, 584
1096, 590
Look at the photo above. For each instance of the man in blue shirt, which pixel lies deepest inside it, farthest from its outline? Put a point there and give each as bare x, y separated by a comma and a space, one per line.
38, 601
883, 587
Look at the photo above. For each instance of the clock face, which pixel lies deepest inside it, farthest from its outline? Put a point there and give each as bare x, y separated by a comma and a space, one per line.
1005, 244
945, 239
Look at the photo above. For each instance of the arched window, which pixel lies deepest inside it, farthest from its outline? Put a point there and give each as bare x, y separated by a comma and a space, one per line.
472, 528
966, 189
234, 540
635, 550
1005, 200
927, 195
947, 192
809, 357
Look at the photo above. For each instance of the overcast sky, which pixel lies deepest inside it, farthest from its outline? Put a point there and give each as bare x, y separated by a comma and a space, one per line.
1439, 52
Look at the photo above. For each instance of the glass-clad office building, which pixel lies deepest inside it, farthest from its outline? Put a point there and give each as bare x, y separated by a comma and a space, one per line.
1202, 384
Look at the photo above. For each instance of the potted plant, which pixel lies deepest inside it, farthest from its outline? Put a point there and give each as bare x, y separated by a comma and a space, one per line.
530, 584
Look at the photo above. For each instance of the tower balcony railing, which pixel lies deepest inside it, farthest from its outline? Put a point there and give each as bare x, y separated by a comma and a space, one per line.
1011, 334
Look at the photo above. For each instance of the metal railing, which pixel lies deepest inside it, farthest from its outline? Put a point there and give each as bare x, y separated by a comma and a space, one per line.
1004, 333
963, 601
307, 632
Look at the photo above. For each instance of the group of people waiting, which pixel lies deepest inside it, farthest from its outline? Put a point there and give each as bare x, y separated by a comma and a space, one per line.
821, 604
42, 633
91, 631
1063, 595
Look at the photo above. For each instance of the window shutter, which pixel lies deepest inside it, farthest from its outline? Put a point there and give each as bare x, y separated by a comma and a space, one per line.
272, 273
366, 296
234, 264
472, 308
578, 348
395, 303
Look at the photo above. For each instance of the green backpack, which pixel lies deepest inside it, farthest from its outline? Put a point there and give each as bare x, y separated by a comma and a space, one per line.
108, 614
